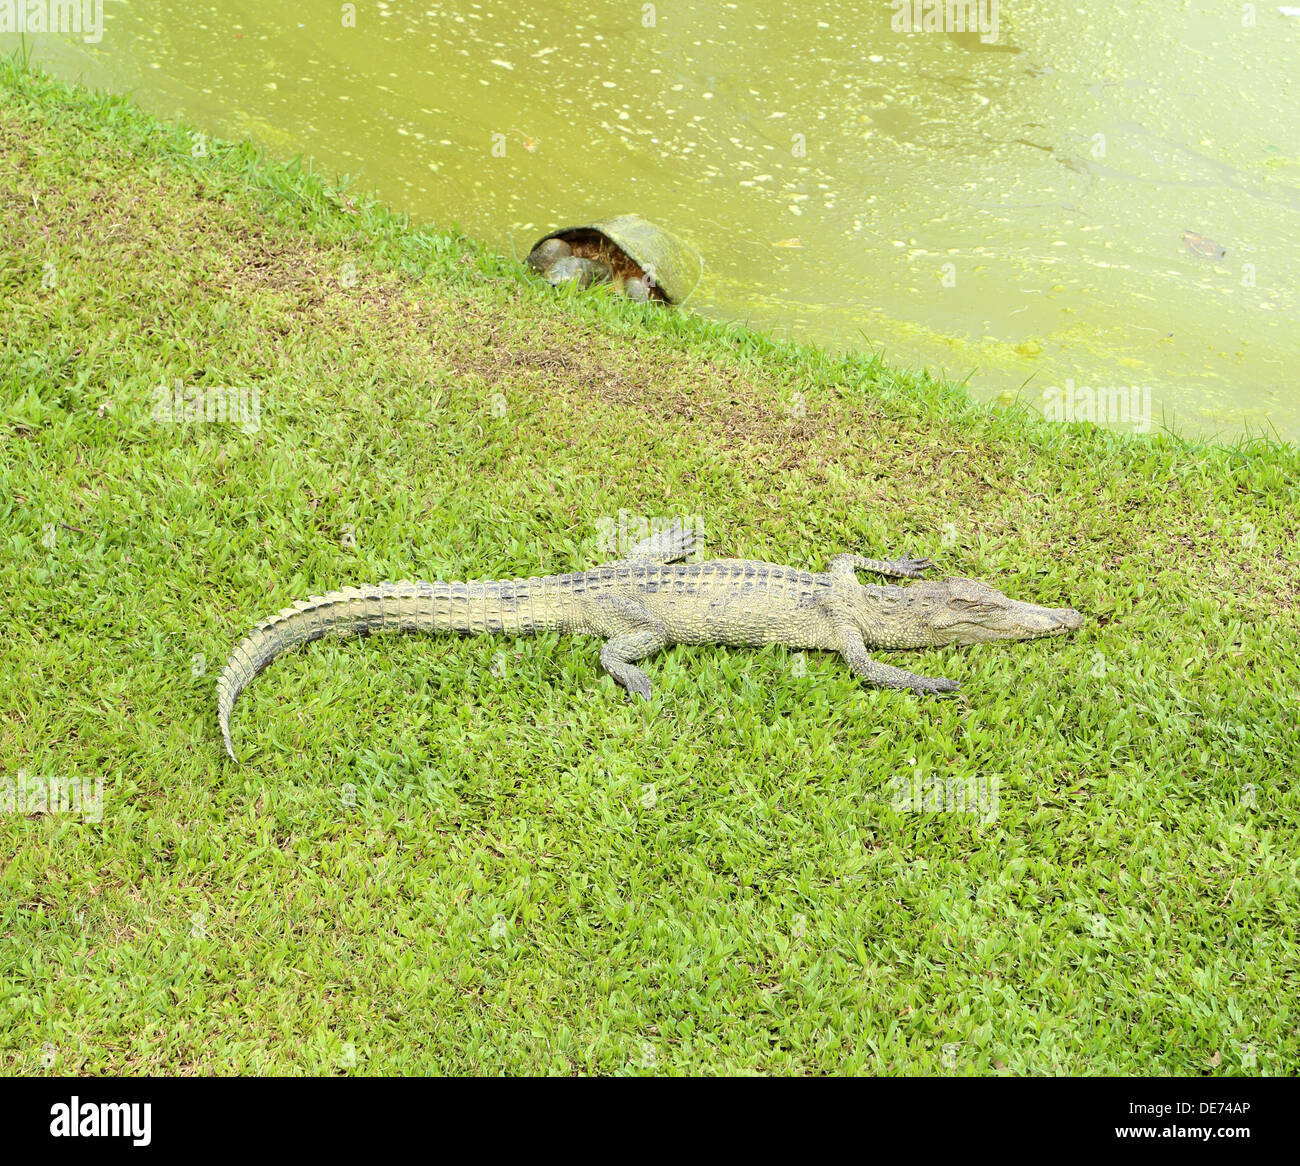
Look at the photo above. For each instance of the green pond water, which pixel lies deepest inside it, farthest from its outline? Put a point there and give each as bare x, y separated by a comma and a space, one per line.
1103, 196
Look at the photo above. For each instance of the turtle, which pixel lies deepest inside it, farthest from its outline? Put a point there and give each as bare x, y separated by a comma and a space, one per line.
1200, 245
644, 260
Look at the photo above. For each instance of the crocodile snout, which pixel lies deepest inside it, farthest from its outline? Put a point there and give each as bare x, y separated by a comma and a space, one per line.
1068, 620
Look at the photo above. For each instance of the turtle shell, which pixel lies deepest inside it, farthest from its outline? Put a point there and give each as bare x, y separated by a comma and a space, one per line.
635, 248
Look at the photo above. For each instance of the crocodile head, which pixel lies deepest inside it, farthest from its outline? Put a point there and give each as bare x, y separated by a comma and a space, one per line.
966, 611
932, 613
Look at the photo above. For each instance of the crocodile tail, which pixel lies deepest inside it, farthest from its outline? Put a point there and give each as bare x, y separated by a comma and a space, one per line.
521, 605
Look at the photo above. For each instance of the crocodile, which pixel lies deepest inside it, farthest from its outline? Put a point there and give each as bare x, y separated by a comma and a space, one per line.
650, 599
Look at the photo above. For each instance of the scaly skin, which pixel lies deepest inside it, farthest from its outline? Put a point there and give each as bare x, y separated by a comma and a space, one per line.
649, 601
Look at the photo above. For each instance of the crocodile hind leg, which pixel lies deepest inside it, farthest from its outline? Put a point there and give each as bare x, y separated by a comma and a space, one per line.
845, 565
668, 546
635, 633
854, 651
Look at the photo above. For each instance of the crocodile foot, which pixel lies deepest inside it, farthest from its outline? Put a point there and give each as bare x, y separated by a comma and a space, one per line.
905, 568
910, 568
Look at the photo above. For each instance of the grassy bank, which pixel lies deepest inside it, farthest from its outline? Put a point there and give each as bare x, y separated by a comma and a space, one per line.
475, 855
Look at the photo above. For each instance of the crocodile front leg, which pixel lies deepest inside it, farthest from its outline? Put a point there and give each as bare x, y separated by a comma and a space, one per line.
845, 565
636, 632
854, 651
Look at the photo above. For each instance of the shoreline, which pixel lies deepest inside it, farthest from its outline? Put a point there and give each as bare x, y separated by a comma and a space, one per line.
1074, 408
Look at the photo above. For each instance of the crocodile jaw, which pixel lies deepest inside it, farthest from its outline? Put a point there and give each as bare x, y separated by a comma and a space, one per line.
1018, 621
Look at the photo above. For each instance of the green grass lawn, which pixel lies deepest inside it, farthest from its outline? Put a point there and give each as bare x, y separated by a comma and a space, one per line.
475, 855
